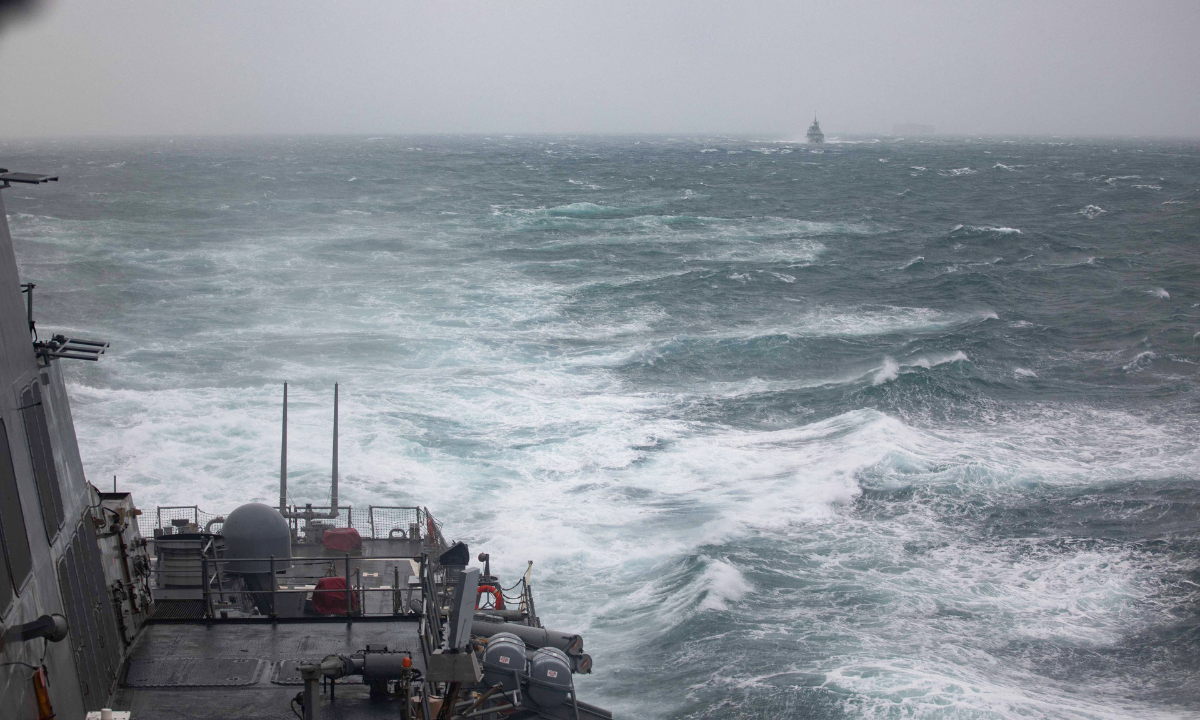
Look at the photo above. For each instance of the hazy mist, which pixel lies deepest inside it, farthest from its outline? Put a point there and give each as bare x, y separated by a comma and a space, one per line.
102, 67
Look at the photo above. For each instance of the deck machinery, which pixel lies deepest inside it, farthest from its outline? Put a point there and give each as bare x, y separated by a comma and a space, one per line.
268, 612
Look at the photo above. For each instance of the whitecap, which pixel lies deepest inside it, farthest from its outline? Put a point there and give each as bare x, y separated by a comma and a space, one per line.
1023, 372
968, 229
931, 361
721, 584
1160, 293
1092, 212
1142, 360
890, 371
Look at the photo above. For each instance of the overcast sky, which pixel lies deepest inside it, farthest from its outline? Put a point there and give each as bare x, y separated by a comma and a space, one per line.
136, 67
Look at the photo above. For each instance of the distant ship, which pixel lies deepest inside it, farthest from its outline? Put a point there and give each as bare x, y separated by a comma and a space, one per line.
814, 133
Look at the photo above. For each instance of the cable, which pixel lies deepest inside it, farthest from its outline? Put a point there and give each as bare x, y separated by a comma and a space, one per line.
45, 649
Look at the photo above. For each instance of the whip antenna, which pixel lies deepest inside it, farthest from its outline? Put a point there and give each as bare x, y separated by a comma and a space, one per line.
333, 501
283, 459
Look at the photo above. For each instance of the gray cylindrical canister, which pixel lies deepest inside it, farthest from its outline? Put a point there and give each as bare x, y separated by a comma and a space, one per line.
550, 674
505, 653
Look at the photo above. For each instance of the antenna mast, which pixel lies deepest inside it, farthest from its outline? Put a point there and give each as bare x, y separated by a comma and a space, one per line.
283, 459
333, 500
308, 513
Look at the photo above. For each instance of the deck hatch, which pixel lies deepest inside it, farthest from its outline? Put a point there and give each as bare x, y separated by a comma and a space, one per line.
193, 672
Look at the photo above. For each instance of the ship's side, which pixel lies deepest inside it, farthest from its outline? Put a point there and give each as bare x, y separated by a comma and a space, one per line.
50, 564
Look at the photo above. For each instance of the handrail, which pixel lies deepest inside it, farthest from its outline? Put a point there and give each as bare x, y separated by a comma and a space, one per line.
374, 521
210, 572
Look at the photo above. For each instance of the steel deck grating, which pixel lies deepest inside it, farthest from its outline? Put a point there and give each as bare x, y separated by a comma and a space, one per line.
192, 672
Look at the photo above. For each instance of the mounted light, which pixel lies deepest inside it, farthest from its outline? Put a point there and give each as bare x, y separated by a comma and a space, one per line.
52, 627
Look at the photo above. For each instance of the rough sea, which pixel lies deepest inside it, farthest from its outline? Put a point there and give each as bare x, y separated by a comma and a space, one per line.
881, 429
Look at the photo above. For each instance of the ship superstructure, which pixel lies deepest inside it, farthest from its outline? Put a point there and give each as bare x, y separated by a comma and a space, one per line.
815, 135
321, 611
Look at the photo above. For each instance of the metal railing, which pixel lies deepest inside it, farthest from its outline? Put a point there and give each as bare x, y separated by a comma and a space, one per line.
220, 588
432, 590
164, 514
375, 521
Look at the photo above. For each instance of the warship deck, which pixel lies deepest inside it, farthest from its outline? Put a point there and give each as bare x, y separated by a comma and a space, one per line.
247, 668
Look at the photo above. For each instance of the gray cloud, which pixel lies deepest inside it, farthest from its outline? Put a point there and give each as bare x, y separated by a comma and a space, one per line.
199, 67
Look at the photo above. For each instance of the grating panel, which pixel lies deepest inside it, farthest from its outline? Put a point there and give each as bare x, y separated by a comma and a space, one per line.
178, 610
192, 672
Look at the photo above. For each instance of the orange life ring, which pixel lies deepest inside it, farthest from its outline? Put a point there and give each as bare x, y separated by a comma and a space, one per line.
497, 597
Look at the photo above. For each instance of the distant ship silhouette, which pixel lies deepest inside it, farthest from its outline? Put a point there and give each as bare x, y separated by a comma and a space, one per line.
814, 133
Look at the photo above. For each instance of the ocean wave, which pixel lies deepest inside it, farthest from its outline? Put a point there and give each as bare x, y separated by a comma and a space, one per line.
1091, 212
918, 260
822, 322
582, 209
892, 369
969, 230
868, 321
1141, 361
756, 239
956, 172
1159, 293
721, 584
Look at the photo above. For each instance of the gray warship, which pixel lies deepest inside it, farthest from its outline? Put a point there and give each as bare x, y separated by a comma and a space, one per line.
114, 612
815, 136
